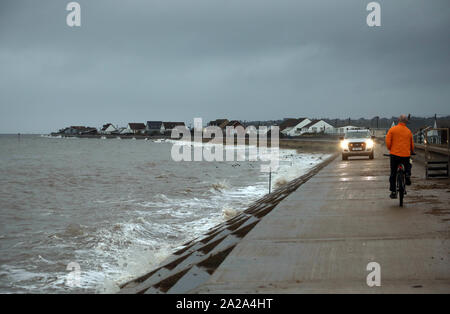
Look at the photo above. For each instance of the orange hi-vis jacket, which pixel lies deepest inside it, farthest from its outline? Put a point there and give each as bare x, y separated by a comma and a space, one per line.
399, 141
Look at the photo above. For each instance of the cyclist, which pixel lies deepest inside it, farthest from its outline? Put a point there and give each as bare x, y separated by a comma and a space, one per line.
399, 141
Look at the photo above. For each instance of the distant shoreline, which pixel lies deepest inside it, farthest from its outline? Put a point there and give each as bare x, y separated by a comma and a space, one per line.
307, 144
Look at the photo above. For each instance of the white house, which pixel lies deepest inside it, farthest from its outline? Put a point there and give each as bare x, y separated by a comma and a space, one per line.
292, 127
317, 126
296, 130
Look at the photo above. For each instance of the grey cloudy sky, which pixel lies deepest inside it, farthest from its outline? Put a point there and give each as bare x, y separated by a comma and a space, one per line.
173, 60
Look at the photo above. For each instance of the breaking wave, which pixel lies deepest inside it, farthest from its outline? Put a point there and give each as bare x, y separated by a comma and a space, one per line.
222, 185
229, 213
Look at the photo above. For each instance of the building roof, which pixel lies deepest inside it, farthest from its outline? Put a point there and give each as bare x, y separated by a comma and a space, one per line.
171, 125
218, 121
221, 123
137, 126
154, 124
290, 123
105, 126
234, 123
311, 123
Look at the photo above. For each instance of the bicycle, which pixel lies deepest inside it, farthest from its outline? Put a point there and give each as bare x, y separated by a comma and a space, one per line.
400, 186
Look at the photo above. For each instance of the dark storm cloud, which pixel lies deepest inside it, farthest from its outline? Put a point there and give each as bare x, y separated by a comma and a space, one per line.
244, 59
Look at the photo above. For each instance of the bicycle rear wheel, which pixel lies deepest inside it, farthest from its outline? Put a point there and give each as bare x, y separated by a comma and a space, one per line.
400, 187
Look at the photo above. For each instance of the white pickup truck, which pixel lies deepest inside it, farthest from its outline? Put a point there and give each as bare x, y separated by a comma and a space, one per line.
357, 143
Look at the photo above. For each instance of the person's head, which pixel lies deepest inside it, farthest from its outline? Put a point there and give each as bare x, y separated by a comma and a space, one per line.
403, 118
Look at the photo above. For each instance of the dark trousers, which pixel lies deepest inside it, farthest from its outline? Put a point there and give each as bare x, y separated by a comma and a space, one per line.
395, 161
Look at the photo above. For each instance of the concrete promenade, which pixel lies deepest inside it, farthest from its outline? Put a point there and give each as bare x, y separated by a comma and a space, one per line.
322, 236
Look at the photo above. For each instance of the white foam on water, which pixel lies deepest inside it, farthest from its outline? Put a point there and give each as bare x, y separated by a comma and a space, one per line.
229, 213
293, 165
51, 136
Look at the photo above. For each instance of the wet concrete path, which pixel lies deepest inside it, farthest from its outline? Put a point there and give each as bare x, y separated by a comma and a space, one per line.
321, 238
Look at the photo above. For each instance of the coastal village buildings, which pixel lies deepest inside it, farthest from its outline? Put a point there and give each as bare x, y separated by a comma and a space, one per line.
288, 127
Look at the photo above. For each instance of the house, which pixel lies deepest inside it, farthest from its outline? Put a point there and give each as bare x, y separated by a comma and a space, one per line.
317, 126
155, 127
108, 129
135, 128
221, 123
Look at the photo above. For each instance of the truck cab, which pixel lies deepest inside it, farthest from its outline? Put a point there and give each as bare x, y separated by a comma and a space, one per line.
357, 143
